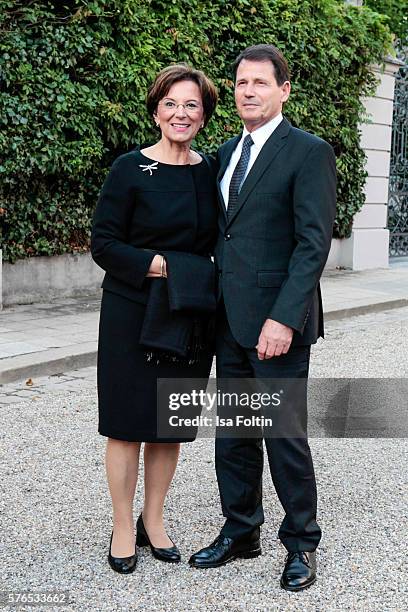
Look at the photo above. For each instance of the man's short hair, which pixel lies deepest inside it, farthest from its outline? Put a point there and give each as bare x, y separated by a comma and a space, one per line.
265, 53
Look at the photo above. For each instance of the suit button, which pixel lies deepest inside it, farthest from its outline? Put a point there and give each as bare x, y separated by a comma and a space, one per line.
227, 237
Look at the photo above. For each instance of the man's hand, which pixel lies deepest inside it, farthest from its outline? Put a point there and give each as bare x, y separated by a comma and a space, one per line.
274, 340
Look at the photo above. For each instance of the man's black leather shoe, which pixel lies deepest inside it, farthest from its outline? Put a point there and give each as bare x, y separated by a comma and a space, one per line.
223, 550
299, 572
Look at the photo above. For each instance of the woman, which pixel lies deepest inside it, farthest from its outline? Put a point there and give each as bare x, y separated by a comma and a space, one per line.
154, 199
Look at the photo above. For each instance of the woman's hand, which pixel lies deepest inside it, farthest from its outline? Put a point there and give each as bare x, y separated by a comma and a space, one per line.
157, 267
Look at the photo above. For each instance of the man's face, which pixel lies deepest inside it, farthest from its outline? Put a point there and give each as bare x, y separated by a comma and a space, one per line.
257, 95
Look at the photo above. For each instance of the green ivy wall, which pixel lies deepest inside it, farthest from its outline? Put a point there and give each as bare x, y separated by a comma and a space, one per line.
73, 81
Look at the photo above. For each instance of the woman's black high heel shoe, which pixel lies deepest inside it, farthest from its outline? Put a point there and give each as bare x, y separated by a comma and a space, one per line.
171, 555
123, 565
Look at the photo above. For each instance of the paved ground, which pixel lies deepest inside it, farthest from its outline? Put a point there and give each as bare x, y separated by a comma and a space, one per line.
55, 506
40, 339
369, 290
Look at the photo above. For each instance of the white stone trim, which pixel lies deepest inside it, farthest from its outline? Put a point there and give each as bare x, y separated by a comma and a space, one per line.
369, 242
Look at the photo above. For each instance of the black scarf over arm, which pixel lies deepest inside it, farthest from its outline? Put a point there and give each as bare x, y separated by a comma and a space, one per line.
179, 309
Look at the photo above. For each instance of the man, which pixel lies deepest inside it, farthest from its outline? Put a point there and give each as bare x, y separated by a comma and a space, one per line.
277, 191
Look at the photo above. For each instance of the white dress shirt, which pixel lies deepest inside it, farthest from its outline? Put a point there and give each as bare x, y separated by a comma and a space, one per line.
259, 136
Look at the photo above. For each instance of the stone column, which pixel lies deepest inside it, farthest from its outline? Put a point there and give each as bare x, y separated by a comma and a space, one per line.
368, 244
1, 279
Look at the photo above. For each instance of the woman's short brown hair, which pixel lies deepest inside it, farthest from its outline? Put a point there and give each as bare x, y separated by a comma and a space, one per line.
182, 72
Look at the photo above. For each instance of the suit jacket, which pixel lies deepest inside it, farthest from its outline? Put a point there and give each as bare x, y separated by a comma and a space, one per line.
141, 213
271, 253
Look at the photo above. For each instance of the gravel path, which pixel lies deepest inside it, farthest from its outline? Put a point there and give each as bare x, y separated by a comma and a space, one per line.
56, 520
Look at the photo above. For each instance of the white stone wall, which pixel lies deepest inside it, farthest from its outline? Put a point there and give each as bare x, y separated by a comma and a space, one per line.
369, 243
40, 279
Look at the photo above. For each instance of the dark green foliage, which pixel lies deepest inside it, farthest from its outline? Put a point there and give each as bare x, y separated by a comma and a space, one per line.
397, 13
74, 76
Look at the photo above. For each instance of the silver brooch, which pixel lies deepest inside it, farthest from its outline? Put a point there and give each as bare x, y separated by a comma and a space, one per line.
149, 168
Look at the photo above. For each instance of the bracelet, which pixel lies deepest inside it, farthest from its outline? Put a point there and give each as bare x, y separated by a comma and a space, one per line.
162, 266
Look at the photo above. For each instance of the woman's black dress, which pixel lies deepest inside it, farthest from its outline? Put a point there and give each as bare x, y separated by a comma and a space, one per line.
145, 207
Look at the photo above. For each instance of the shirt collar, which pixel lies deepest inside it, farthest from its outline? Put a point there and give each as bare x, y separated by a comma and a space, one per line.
261, 135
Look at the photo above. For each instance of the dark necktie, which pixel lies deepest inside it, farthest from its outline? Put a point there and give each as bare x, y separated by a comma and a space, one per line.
238, 175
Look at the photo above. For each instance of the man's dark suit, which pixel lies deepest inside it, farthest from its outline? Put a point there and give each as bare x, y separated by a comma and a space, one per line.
270, 255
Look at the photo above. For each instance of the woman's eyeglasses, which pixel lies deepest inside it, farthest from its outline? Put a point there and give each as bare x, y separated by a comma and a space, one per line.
189, 107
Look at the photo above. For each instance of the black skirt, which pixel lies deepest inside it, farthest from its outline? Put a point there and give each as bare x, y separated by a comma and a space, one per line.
127, 383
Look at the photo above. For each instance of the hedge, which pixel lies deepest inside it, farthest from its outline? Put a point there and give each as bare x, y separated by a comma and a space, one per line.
397, 14
74, 76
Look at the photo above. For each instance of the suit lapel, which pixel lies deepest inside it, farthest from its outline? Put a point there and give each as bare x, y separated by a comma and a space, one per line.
271, 148
228, 151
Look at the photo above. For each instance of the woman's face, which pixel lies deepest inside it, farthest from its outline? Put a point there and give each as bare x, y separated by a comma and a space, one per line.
180, 113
